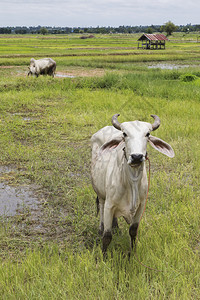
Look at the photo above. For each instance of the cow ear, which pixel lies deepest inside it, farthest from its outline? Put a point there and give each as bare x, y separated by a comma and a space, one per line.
112, 144
161, 146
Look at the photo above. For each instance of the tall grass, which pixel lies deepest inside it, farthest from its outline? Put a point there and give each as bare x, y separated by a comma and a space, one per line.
54, 274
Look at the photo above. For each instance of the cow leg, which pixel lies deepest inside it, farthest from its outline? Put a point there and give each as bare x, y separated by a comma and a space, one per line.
133, 233
134, 226
107, 234
101, 209
97, 204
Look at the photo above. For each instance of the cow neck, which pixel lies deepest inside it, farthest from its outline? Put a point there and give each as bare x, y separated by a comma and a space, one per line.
135, 173
133, 178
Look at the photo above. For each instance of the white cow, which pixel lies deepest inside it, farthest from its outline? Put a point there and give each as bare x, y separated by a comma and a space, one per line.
118, 172
44, 66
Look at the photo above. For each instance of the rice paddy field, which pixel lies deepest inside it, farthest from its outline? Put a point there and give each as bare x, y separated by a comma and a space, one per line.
49, 246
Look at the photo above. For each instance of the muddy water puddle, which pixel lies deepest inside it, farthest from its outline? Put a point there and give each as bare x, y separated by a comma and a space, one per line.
14, 200
167, 66
64, 76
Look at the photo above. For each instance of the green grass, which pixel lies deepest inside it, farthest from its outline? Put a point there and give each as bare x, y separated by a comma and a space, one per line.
53, 274
45, 129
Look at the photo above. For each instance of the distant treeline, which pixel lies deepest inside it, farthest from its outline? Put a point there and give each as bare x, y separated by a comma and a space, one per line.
102, 30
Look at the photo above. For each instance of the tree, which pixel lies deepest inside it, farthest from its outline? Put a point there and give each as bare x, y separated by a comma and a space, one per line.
149, 30
43, 30
169, 27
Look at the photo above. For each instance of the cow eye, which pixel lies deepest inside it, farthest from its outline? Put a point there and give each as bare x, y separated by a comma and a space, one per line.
148, 134
124, 134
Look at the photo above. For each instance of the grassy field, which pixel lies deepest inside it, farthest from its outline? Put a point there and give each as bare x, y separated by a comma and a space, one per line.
45, 129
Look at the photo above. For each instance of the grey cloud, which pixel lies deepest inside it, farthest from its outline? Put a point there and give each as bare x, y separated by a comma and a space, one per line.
95, 12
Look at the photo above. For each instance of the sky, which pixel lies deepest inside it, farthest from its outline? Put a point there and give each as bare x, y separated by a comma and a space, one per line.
92, 13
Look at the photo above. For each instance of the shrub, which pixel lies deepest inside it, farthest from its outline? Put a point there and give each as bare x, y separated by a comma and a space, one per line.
188, 77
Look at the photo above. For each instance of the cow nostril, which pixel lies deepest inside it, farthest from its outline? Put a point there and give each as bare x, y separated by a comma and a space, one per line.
136, 158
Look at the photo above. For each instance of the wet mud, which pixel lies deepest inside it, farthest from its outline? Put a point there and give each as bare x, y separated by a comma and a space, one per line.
27, 208
14, 200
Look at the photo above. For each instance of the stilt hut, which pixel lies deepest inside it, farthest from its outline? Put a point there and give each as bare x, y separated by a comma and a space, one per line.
152, 41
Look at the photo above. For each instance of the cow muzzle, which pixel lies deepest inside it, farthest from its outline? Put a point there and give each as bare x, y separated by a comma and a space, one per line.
136, 159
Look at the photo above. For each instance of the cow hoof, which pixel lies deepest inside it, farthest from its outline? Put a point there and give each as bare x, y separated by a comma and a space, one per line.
107, 237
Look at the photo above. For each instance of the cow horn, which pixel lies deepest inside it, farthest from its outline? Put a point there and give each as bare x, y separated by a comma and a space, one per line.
115, 122
156, 123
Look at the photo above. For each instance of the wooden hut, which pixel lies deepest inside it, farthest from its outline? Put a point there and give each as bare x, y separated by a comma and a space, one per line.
152, 41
